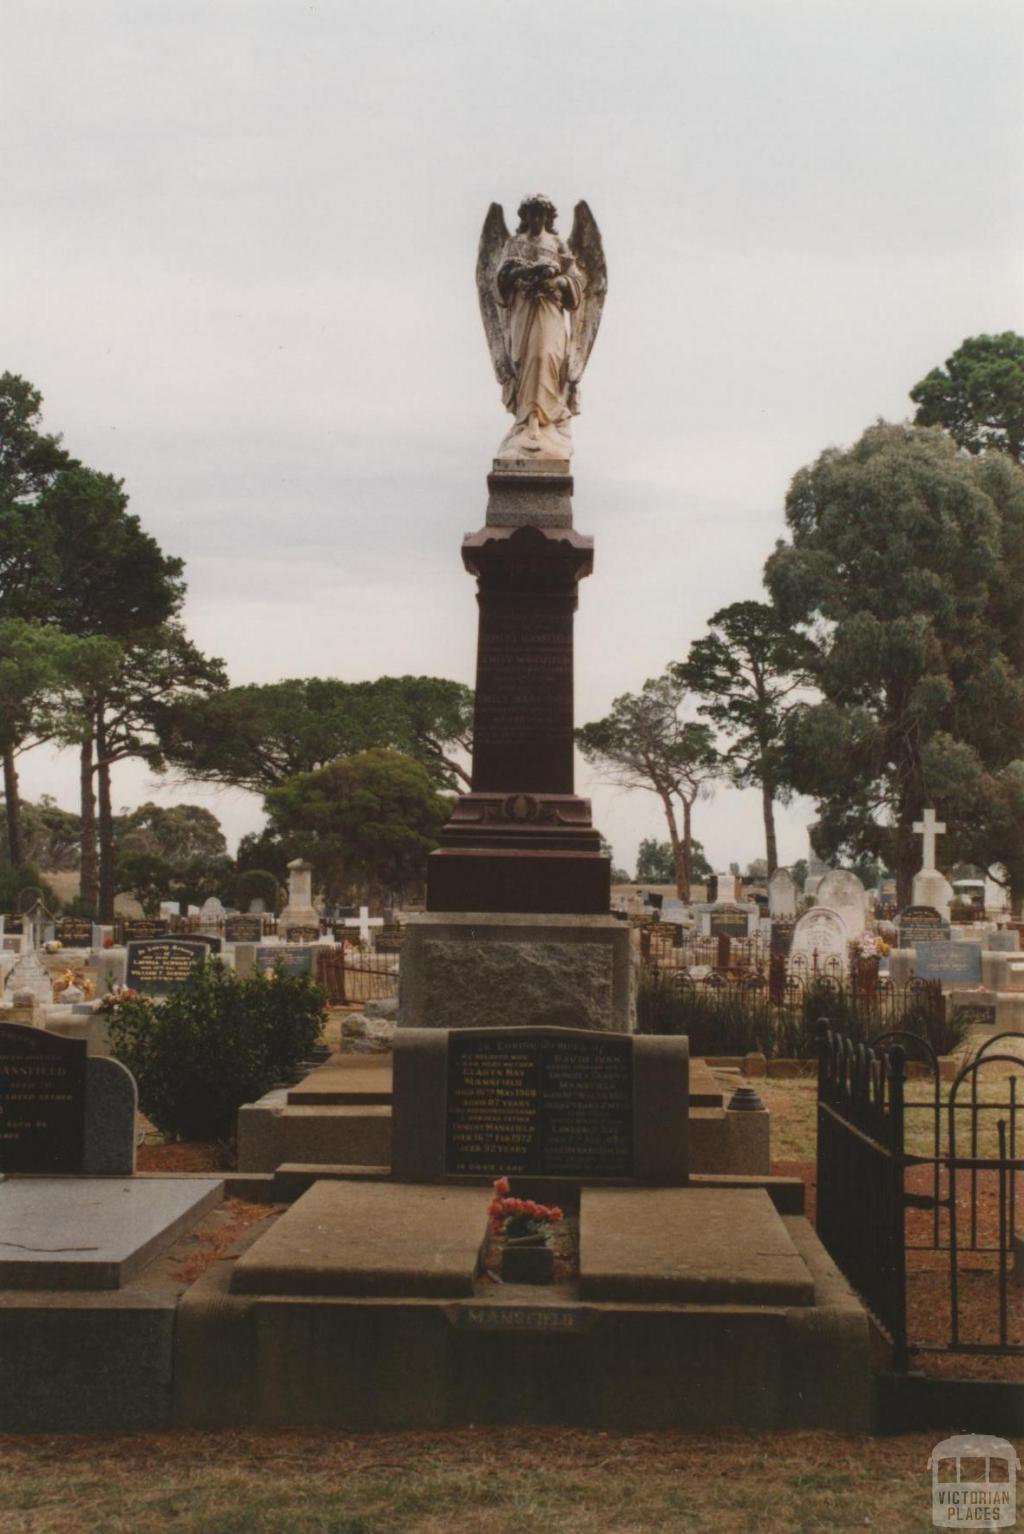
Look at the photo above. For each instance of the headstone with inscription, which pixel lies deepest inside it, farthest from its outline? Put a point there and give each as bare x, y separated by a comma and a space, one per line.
725, 923
61, 1110
144, 926
157, 966
247, 928
842, 891
951, 962
293, 959
301, 934
547, 1102
820, 942
920, 924
74, 931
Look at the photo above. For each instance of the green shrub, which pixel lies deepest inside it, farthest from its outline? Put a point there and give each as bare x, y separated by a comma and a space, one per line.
214, 1044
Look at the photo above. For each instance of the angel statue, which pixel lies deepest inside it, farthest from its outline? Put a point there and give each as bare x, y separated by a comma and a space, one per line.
541, 301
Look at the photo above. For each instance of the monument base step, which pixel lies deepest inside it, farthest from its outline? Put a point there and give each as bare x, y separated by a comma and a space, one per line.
752, 1325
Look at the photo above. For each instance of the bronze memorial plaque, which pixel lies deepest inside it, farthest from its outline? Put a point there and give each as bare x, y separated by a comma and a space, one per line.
551, 1106
42, 1101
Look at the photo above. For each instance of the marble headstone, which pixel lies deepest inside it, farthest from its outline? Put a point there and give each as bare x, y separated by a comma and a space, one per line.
782, 893
820, 940
843, 892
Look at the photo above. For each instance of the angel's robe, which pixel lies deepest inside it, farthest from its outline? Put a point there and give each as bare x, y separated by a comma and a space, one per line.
539, 327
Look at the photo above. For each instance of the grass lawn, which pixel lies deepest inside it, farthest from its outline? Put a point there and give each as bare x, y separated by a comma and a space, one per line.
482, 1481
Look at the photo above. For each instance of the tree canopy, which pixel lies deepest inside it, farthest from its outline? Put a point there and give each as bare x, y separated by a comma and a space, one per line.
979, 395
370, 818
655, 862
645, 742
906, 558
258, 736
747, 670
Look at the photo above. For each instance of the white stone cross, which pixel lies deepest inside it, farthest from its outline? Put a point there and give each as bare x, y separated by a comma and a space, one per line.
929, 828
364, 921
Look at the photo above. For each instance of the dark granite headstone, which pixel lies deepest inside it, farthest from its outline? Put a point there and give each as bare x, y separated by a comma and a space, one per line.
302, 934
144, 926
294, 961
15, 925
74, 931
42, 1101
729, 924
952, 962
156, 966
781, 939
243, 928
551, 1106
975, 1014
921, 924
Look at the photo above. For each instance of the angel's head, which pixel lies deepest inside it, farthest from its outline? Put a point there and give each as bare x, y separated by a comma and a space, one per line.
537, 213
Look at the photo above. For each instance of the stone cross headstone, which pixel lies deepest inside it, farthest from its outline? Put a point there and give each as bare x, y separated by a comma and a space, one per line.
930, 887
819, 943
782, 893
928, 828
842, 891
364, 921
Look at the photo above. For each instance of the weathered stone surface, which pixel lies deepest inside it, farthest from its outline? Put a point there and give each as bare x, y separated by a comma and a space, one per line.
370, 1238
508, 971
688, 1246
93, 1233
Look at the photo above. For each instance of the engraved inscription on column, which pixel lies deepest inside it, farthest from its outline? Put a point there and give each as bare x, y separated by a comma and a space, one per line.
523, 720
548, 1105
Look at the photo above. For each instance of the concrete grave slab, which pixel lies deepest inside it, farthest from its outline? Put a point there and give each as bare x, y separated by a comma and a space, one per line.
705, 1246
377, 1239
93, 1232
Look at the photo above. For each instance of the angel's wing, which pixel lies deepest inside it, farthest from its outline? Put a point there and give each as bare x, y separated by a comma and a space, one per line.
588, 251
493, 239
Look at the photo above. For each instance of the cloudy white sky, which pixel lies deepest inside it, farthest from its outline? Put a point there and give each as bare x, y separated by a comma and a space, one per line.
238, 253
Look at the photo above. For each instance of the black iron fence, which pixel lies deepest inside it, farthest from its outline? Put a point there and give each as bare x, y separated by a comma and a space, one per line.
917, 1190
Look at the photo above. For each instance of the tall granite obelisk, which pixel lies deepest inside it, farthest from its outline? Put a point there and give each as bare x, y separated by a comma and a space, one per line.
517, 929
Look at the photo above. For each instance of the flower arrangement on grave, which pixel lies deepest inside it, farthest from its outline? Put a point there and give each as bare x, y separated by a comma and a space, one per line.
53, 946
108, 942
116, 996
520, 1220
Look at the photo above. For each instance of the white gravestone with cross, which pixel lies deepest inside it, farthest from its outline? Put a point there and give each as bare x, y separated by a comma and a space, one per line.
364, 921
931, 887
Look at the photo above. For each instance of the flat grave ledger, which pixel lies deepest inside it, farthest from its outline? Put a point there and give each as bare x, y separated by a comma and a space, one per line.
61, 1110
243, 929
159, 965
74, 931
729, 923
294, 960
542, 1102
948, 961
554, 1107
302, 934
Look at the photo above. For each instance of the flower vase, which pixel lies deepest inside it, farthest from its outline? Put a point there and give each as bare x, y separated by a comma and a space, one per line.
527, 1259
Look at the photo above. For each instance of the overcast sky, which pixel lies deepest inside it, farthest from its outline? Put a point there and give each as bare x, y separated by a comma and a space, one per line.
238, 253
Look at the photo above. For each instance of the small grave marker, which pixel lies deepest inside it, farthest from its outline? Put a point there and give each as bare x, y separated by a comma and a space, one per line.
302, 934
729, 924
294, 960
243, 928
949, 961
74, 931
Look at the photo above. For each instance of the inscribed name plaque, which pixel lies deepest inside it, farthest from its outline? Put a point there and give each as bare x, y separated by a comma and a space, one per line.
74, 931
42, 1101
293, 961
729, 924
921, 924
542, 1105
952, 962
302, 934
974, 1014
159, 965
243, 929
144, 926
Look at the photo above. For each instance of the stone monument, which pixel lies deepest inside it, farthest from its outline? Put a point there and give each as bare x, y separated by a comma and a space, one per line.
300, 910
930, 887
519, 890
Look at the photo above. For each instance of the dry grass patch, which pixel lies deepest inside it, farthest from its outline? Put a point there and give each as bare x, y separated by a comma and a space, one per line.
489, 1481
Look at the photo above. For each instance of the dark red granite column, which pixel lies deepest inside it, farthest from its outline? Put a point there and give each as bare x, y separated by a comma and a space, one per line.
522, 840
